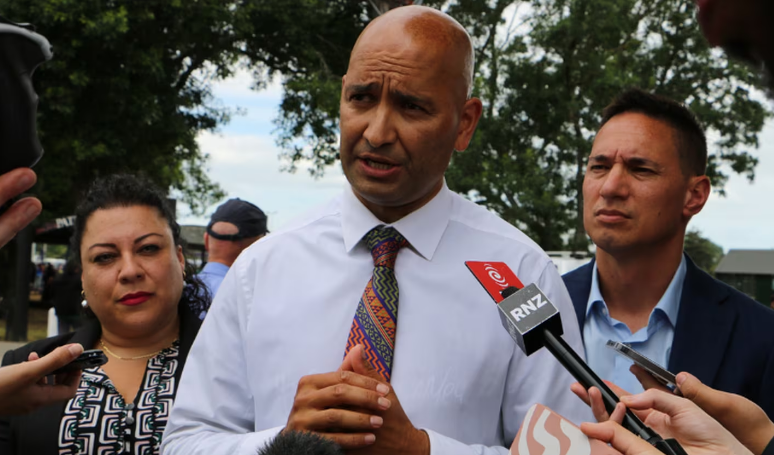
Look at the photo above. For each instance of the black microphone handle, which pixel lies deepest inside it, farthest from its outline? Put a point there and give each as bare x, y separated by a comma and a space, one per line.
586, 376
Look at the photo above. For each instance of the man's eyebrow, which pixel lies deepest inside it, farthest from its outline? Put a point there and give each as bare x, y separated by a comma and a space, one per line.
404, 97
599, 159
362, 88
637, 161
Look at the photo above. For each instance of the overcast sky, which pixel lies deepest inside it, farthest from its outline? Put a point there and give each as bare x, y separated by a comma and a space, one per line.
244, 161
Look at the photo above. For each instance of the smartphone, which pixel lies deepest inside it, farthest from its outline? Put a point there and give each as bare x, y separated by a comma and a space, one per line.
89, 359
661, 374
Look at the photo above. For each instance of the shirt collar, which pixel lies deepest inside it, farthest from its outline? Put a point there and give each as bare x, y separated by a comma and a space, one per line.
669, 304
423, 228
215, 268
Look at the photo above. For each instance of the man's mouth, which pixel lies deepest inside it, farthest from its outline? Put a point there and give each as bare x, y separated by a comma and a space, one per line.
379, 165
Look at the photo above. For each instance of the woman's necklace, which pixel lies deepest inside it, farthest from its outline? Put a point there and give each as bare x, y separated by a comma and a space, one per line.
137, 357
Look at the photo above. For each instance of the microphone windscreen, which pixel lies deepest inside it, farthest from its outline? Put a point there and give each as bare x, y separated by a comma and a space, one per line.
300, 443
544, 432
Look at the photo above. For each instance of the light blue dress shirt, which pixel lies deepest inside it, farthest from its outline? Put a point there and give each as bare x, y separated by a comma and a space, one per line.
654, 341
212, 275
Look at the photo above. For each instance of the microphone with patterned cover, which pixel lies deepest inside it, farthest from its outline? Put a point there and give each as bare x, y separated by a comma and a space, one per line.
544, 432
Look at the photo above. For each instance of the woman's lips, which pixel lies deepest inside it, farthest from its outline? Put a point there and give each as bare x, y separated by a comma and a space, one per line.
135, 299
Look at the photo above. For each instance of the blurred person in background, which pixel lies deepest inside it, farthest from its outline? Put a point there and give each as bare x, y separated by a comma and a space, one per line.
235, 225
67, 298
140, 299
49, 274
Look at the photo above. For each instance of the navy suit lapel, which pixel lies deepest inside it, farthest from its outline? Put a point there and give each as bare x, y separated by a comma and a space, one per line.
704, 326
578, 284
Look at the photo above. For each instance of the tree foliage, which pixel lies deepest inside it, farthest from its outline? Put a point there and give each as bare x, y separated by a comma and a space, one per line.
545, 90
544, 71
128, 90
703, 251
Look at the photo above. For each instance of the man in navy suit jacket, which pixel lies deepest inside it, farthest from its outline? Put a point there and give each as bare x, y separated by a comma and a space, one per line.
645, 180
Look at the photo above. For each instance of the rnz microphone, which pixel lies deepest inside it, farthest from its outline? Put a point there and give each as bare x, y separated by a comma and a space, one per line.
533, 322
300, 443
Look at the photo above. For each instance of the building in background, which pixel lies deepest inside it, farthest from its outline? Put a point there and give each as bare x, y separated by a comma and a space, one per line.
750, 271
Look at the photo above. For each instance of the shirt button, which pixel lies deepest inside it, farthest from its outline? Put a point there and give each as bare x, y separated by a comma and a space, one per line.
129, 420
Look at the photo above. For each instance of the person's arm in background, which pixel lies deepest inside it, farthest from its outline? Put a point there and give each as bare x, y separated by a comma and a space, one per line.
22, 212
23, 386
672, 417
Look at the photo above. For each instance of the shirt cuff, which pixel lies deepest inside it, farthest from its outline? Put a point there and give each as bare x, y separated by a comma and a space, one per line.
255, 441
444, 445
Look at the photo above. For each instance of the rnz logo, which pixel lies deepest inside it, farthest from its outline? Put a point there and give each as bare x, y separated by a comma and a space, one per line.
525, 309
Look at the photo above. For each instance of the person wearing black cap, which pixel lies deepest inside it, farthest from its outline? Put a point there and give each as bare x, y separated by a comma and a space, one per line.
234, 226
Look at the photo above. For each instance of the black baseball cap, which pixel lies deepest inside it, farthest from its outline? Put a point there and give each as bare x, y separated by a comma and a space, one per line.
247, 217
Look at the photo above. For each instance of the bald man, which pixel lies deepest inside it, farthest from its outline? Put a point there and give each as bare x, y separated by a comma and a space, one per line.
360, 321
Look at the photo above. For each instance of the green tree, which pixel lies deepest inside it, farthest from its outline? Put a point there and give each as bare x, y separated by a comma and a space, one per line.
703, 251
544, 75
128, 90
556, 79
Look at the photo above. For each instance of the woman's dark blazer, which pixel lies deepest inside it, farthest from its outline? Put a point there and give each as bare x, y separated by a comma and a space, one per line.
37, 433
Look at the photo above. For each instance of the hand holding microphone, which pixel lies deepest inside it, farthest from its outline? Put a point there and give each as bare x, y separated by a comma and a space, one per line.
745, 420
671, 416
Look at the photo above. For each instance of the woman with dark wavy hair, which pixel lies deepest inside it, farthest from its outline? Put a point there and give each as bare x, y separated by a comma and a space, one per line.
143, 304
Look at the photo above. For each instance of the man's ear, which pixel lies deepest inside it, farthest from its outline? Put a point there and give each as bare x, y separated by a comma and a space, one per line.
696, 195
471, 114
206, 242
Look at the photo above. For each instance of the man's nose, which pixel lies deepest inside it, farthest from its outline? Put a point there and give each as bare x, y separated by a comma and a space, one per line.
615, 184
381, 127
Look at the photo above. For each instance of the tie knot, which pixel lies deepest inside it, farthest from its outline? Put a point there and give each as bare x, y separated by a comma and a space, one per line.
384, 244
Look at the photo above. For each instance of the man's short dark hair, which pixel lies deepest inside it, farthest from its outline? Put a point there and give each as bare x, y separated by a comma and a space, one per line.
689, 135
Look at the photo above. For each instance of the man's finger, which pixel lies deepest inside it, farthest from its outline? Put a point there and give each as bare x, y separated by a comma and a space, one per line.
664, 402
322, 381
16, 182
713, 402
344, 420
618, 413
580, 392
17, 217
58, 358
356, 361
340, 395
618, 437
363, 366
647, 380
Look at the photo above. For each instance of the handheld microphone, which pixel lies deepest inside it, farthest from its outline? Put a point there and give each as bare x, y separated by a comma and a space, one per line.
533, 322
543, 431
21, 51
300, 443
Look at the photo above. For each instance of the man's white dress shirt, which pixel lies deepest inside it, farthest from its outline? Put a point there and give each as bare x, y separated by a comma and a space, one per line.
286, 306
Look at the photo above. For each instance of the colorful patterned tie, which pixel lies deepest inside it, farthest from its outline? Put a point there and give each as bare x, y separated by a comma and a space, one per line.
377, 312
